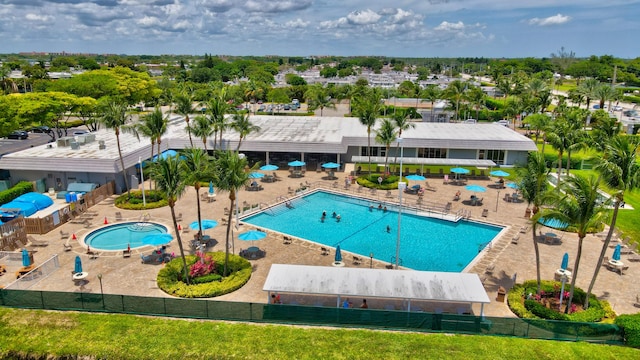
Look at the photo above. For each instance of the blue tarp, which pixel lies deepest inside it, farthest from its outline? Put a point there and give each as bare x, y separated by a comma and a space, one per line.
27, 204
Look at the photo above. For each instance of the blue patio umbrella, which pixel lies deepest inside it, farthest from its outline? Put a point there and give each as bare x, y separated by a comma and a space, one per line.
499, 173
331, 165
565, 261
206, 224
475, 188
268, 167
338, 257
415, 177
26, 261
77, 268
513, 185
157, 239
459, 170
297, 163
553, 223
616, 253
252, 235
256, 175
211, 191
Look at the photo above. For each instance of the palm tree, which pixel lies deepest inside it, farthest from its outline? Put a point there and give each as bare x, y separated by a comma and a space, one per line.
243, 126
588, 89
368, 109
402, 122
217, 108
170, 181
539, 92
184, 107
578, 206
604, 129
537, 122
620, 170
533, 185
318, 97
153, 126
455, 92
195, 169
476, 97
558, 139
605, 93
114, 116
385, 135
431, 93
230, 175
202, 129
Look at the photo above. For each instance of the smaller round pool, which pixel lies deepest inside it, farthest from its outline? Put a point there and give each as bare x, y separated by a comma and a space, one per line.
117, 237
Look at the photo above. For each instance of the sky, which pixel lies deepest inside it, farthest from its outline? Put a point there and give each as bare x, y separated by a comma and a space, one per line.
400, 28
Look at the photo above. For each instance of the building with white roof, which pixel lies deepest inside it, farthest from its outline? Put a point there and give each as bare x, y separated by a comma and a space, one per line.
315, 140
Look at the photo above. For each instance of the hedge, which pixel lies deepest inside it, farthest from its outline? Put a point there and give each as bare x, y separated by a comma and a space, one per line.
388, 183
630, 325
20, 188
239, 268
153, 198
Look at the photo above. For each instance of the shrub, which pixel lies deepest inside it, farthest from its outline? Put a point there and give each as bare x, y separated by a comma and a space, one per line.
388, 183
239, 273
154, 199
18, 189
630, 325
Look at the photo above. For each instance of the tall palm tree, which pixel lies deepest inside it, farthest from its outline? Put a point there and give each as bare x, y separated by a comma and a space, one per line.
588, 89
431, 93
243, 126
537, 122
230, 175
402, 122
202, 128
386, 135
195, 169
620, 170
604, 93
578, 206
455, 92
318, 97
476, 97
184, 107
368, 109
153, 125
114, 116
558, 139
170, 181
217, 108
538, 90
533, 185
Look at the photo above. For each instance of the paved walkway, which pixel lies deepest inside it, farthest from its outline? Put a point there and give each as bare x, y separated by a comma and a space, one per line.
129, 276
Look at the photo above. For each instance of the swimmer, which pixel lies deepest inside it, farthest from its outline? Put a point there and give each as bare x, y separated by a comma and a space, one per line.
324, 214
370, 207
379, 206
334, 214
388, 228
385, 209
338, 218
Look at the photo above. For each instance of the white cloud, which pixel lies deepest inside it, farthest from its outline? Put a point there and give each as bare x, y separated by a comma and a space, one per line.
551, 20
447, 26
36, 17
297, 23
363, 17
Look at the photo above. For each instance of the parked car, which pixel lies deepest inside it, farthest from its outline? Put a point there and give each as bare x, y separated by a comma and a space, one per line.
287, 107
41, 129
18, 134
469, 121
79, 132
503, 122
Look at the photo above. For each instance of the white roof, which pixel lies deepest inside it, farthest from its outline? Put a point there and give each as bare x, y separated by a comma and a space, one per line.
427, 161
376, 283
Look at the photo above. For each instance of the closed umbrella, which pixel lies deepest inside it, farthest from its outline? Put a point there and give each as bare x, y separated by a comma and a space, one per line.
211, 191
206, 224
157, 239
616, 253
26, 260
78, 265
331, 165
268, 167
565, 261
553, 223
499, 173
338, 257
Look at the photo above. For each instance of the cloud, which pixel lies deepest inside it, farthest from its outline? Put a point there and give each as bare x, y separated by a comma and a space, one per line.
549, 21
447, 26
36, 17
363, 17
276, 6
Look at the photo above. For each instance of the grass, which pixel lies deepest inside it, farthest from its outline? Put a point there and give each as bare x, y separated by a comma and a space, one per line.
134, 337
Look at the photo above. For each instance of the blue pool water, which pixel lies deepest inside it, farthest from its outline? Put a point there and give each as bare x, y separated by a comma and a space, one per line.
426, 243
118, 236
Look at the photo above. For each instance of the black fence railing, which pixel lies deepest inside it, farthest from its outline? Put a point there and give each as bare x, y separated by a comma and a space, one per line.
313, 315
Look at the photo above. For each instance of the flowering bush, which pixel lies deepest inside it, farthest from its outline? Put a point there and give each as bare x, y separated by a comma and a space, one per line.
203, 266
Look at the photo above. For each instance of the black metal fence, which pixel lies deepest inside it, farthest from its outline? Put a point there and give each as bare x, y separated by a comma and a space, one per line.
313, 315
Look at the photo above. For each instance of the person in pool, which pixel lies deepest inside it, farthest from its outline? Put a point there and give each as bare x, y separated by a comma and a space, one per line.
324, 214
388, 228
334, 214
338, 217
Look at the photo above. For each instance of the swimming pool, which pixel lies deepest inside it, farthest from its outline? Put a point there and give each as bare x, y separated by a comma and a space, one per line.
116, 237
426, 243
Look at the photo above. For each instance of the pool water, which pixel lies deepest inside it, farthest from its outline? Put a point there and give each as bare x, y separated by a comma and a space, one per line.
426, 244
117, 237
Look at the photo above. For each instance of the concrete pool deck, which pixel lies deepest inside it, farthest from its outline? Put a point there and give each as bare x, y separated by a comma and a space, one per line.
130, 277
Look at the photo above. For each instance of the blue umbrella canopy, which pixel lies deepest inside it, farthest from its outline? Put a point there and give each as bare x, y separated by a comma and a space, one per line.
297, 163
331, 165
475, 188
553, 223
206, 224
513, 185
415, 177
268, 167
338, 257
26, 261
499, 173
459, 170
157, 239
565, 261
616, 253
256, 175
77, 268
211, 191
252, 235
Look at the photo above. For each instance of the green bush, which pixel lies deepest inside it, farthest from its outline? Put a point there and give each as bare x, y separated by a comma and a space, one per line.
20, 188
154, 199
206, 278
239, 273
542, 311
388, 183
630, 325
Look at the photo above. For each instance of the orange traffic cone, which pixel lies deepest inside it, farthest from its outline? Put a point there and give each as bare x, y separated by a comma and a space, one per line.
105, 220
74, 237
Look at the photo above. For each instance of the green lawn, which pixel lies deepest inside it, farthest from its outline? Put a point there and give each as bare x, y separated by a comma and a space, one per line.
136, 337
